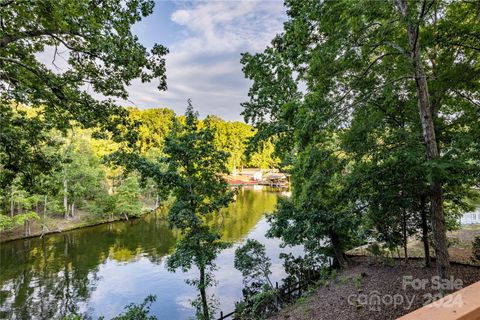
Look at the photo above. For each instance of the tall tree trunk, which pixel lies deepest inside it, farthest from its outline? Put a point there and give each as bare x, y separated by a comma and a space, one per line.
429, 136
12, 203
339, 256
203, 293
426, 244
65, 196
405, 235
439, 231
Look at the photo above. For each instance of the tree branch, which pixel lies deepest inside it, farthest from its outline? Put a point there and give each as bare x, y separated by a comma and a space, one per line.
20, 63
9, 38
471, 100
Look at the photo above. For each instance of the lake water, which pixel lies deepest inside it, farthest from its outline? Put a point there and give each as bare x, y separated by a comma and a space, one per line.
98, 270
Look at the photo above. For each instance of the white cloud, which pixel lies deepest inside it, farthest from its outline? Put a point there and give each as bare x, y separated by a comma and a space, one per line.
219, 26
204, 64
180, 16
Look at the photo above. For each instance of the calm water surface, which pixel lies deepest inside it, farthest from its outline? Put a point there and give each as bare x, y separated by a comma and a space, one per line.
99, 270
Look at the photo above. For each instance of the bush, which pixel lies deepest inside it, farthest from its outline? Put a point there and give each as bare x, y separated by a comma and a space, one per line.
8, 223
379, 255
258, 306
132, 312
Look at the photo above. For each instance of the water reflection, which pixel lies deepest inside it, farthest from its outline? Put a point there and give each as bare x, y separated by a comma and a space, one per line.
99, 270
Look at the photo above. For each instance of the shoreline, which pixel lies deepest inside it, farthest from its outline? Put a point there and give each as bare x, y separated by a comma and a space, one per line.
9, 236
73, 227
4, 238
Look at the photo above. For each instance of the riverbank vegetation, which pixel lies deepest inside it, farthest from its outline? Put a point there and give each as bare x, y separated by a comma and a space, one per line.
381, 102
371, 106
82, 188
56, 132
375, 107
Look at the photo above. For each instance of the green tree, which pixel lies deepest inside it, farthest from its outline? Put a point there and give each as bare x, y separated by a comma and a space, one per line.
263, 155
274, 96
82, 174
384, 142
153, 127
127, 198
231, 137
234, 137
23, 142
194, 176
22, 209
252, 261
260, 296
103, 55
387, 58
320, 214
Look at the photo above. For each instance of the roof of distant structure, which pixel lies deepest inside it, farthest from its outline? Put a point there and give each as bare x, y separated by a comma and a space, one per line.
255, 170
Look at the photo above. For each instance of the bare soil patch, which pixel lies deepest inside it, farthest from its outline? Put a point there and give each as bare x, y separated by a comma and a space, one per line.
57, 223
353, 293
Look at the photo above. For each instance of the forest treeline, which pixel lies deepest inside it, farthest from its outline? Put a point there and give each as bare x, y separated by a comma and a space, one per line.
81, 179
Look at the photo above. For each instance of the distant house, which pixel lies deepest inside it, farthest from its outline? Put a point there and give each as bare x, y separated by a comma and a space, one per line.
249, 176
276, 179
470, 218
257, 176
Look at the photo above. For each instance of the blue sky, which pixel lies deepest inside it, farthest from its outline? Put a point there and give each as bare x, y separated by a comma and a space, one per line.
205, 39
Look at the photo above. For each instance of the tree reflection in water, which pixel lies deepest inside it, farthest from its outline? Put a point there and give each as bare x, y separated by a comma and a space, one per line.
55, 276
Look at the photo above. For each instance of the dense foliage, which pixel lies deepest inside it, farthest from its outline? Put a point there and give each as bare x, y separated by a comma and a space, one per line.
82, 187
260, 296
58, 57
194, 178
379, 103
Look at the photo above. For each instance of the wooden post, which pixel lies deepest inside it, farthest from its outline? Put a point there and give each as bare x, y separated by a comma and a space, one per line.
221, 315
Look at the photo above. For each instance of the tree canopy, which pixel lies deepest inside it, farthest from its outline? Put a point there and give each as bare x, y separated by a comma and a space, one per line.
60, 57
194, 176
390, 90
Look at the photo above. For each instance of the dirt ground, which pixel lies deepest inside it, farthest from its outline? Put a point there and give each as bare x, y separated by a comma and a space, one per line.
375, 291
53, 225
